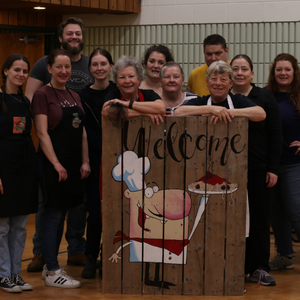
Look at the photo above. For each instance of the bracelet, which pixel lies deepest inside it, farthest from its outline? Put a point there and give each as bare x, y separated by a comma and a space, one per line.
130, 104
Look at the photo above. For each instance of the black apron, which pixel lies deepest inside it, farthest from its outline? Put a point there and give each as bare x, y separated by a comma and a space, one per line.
66, 139
18, 170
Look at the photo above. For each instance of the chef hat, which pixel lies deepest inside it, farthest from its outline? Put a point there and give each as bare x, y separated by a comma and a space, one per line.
132, 170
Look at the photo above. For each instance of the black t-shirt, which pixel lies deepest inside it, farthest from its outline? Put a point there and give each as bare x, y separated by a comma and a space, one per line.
149, 95
239, 101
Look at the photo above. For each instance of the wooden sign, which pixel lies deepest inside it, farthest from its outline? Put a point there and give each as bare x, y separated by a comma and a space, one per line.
174, 206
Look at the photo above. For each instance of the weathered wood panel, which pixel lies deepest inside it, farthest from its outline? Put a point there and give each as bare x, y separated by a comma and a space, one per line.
131, 284
112, 199
235, 227
180, 200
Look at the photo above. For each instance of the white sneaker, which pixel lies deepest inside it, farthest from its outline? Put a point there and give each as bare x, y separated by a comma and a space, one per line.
19, 281
62, 280
44, 273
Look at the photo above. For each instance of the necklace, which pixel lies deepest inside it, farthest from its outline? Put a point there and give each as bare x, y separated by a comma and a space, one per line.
63, 104
14, 97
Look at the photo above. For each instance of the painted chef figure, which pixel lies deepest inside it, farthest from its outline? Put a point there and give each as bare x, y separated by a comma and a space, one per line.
153, 215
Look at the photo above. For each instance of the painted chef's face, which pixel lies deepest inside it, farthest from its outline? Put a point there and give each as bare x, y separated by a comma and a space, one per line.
158, 209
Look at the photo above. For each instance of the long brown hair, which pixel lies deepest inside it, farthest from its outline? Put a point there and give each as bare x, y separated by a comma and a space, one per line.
7, 65
295, 85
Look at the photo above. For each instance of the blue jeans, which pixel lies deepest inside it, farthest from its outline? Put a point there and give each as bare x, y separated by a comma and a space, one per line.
76, 221
12, 242
286, 208
53, 228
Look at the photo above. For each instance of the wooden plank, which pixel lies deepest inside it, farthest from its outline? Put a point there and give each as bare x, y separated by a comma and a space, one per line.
53, 20
103, 4
152, 270
22, 18
121, 5
13, 17
75, 2
41, 19
129, 5
215, 213
196, 152
45, 1
236, 209
137, 6
174, 180
32, 18
56, 2
113, 4
95, 3
86, 3
4, 17
132, 270
112, 199
65, 2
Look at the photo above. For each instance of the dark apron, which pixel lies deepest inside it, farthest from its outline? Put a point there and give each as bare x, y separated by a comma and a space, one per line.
18, 170
66, 139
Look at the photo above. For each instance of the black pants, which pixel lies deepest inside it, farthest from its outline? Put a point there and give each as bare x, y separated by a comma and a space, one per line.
258, 242
94, 222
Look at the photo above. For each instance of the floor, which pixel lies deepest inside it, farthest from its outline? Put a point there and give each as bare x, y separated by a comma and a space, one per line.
287, 288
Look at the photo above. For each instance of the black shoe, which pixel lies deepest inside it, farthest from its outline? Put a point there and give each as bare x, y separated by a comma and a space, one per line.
7, 285
262, 277
90, 268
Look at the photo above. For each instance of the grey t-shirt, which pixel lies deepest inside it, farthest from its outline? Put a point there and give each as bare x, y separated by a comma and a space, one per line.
80, 77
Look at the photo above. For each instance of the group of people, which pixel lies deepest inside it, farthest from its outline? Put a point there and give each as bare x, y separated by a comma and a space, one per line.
64, 178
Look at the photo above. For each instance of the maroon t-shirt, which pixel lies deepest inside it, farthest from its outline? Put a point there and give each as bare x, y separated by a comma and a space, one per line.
45, 102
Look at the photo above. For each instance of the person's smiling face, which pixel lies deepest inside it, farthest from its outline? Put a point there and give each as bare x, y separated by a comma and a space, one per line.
219, 86
155, 62
127, 81
100, 67
172, 80
72, 39
242, 73
284, 74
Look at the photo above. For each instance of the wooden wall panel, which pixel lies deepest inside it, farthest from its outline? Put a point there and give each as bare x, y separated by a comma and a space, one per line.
22, 18
180, 228
75, 2
35, 19
121, 4
113, 4
85, 3
130, 5
137, 6
12, 17
66, 2
4, 17
95, 3
103, 4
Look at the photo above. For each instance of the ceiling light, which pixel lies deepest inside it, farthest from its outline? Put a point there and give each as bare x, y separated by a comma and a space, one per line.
39, 7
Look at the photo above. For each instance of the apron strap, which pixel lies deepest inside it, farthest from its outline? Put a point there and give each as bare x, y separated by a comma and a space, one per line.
229, 101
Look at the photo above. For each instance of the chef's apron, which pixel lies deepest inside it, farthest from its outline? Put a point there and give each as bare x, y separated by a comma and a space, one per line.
66, 139
18, 170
